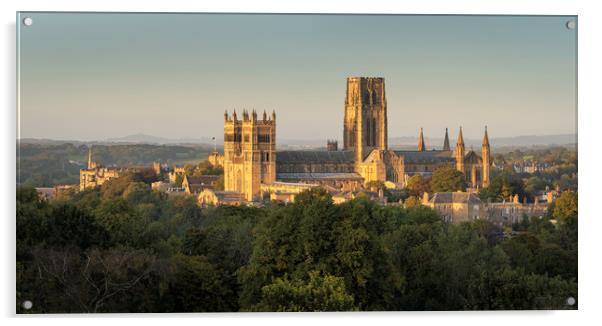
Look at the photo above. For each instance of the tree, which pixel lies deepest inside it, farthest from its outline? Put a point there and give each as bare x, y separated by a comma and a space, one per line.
70, 280
565, 206
320, 293
447, 179
206, 168
178, 181
412, 202
503, 186
418, 185
375, 185
195, 285
313, 234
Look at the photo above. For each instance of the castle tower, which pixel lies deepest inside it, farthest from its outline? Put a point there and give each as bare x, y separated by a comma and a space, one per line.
486, 157
460, 152
421, 146
365, 122
446, 142
249, 153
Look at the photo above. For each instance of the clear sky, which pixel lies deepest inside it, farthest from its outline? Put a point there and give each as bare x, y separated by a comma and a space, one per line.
97, 76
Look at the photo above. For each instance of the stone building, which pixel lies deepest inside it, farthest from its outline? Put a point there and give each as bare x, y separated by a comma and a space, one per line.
457, 207
210, 197
195, 184
216, 159
177, 171
251, 159
95, 174
249, 153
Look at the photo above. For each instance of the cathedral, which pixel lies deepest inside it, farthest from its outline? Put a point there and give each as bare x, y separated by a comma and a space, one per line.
252, 165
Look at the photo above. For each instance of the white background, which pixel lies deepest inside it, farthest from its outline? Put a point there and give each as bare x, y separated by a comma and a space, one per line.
590, 159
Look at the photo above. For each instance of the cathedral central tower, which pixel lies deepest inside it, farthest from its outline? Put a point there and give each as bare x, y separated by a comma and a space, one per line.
365, 125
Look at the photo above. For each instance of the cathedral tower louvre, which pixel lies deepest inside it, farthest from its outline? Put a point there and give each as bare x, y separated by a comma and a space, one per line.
249, 153
365, 122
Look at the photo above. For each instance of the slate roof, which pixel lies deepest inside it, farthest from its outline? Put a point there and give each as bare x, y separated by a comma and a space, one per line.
472, 157
318, 176
202, 179
324, 157
455, 197
433, 156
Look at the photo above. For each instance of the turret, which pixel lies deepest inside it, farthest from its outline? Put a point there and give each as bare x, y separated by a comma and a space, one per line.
459, 154
446, 142
421, 146
486, 157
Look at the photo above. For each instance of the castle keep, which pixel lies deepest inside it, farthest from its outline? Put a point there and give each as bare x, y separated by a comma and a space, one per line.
252, 166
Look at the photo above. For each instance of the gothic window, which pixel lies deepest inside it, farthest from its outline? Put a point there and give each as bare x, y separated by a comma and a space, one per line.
373, 131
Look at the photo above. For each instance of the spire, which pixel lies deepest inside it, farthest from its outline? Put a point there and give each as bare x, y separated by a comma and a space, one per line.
486, 138
226, 115
265, 116
446, 142
274, 115
90, 157
460, 138
421, 146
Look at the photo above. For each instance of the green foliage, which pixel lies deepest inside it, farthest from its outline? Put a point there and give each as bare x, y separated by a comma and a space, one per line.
375, 185
412, 202
206, 168
503, 186
320, 293
179, 180
47, 165
447, 179
418, 185
565, 206
166, 254
195, 285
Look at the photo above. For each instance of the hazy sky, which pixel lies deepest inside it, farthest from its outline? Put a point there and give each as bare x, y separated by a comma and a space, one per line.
97, 76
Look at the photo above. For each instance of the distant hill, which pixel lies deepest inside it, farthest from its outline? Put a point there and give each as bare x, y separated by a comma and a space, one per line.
284, 143
147, 139
531, 140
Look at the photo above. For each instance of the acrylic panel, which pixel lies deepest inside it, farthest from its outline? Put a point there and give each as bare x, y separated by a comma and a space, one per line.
198, 162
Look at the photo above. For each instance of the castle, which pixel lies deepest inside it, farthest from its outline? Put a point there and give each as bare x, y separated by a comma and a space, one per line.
252, 165
96, 175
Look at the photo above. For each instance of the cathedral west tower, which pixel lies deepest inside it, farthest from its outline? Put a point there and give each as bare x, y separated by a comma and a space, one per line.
365, 124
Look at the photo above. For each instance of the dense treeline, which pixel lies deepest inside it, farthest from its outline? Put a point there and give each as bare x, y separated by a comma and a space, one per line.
126, 248
46, 165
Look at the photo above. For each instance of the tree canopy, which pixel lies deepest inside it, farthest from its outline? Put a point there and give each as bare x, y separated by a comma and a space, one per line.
166, 254
447, 179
